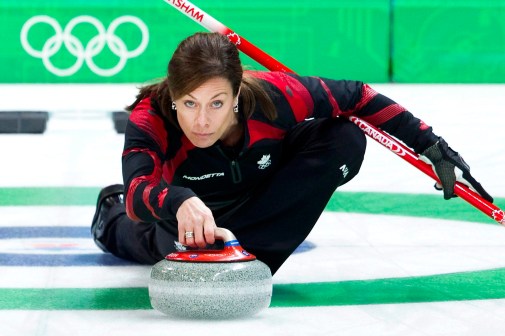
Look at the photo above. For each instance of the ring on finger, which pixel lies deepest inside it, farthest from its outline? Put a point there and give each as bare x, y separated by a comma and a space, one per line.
189, 234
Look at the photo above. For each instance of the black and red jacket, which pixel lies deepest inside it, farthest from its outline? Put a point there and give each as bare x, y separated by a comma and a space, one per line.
161, 168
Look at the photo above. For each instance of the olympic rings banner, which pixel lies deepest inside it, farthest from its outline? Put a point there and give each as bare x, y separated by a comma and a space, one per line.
131, 41
88, 41
376, 41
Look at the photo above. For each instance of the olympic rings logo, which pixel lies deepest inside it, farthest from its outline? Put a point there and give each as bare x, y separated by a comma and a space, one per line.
84, 53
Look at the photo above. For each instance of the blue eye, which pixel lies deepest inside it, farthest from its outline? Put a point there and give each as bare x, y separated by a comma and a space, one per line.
217, 104
189, 103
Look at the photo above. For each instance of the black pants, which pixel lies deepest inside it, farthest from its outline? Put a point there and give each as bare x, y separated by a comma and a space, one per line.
319, 156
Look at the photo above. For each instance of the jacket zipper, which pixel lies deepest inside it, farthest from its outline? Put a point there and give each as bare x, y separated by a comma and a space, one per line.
235, 172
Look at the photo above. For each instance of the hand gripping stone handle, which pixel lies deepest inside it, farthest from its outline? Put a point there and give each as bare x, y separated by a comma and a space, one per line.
207, 21
232, 251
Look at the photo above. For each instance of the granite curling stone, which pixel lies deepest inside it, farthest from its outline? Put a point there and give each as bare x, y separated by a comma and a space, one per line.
211, 284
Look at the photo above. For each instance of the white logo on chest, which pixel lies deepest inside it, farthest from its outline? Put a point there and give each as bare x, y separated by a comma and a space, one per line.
264, 162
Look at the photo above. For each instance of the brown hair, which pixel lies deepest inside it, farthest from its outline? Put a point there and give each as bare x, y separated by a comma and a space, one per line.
201, 57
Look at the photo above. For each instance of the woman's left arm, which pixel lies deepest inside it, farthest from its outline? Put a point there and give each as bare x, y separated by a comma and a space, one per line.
337, 98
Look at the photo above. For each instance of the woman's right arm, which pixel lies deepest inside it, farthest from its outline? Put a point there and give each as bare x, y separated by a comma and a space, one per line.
149, 197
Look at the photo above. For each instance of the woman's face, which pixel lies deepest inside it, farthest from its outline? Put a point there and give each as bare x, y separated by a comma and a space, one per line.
206, 114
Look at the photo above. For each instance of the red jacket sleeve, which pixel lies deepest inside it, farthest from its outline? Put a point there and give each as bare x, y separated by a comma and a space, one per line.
149, 197
336, 98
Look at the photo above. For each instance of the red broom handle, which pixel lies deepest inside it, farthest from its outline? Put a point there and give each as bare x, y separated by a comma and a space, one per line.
207, 21
411, 157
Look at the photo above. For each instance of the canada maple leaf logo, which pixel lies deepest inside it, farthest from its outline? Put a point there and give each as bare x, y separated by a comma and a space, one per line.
234, 38
499, 216
264, 162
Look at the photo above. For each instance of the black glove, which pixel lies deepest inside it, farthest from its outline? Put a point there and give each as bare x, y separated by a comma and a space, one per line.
445, 161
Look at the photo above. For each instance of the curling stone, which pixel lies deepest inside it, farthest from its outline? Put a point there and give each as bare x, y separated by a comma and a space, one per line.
211, 284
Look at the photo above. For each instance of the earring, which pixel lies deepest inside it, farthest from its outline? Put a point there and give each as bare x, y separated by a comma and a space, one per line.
235, 108
174, 107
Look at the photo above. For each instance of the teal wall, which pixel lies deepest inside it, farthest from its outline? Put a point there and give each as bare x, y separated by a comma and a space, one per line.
375, 41
461, 41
